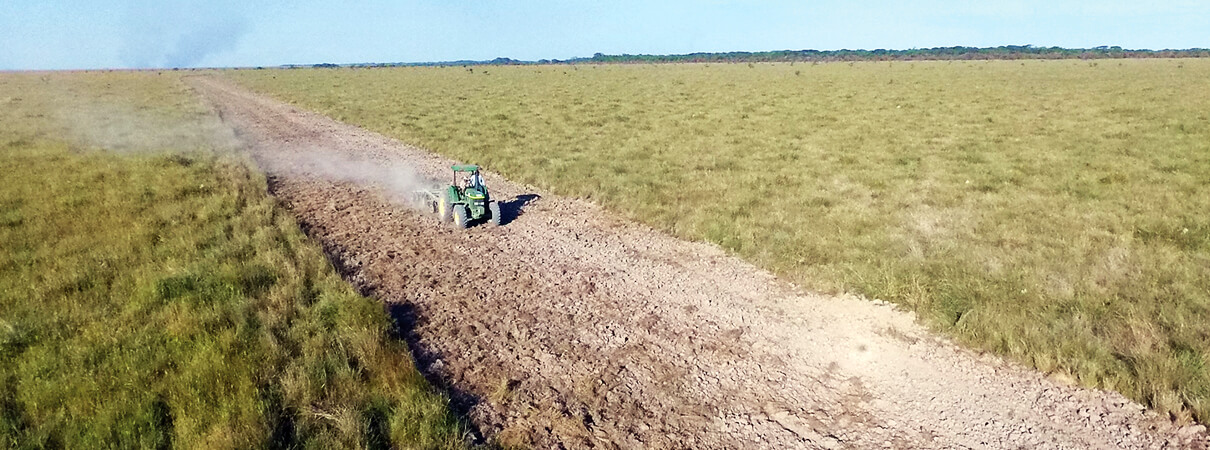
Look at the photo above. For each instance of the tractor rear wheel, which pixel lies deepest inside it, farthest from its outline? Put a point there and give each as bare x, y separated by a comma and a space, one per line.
494, 208
460, 216
444, 209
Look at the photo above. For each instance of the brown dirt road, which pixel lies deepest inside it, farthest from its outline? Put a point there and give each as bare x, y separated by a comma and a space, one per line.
569, 328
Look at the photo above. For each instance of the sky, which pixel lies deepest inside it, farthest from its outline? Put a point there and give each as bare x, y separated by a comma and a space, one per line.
83, 34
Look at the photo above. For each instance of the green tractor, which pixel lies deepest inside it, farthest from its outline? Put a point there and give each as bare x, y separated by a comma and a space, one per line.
467, 199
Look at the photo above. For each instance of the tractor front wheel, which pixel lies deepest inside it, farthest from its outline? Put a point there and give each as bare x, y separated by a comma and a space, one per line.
494, 208
460, 216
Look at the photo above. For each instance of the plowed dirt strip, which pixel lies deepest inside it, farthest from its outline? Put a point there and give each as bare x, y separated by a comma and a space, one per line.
567, 327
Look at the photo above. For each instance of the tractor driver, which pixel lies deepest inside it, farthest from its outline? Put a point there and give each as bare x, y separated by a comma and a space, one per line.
475, 181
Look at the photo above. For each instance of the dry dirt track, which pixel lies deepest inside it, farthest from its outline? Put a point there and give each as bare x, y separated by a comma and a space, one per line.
569, 328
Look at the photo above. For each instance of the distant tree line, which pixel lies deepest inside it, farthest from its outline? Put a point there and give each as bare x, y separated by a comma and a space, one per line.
915, 54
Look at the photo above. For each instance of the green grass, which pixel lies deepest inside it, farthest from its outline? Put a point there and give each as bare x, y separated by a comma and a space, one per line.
1051, 211
152, 295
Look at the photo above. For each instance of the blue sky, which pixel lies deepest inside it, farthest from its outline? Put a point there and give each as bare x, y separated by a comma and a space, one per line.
78, 34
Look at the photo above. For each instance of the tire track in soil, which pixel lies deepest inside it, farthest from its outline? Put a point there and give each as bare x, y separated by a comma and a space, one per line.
569, 328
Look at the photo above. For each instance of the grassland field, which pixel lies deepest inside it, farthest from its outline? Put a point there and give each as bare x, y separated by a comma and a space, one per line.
1050, 211
152, 295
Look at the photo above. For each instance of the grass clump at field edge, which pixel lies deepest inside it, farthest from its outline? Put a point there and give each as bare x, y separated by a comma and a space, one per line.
153, 296
1052, 211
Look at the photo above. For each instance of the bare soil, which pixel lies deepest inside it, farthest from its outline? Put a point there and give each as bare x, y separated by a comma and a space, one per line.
568, 327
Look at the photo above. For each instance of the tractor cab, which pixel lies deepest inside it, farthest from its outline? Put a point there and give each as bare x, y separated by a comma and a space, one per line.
470, 183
